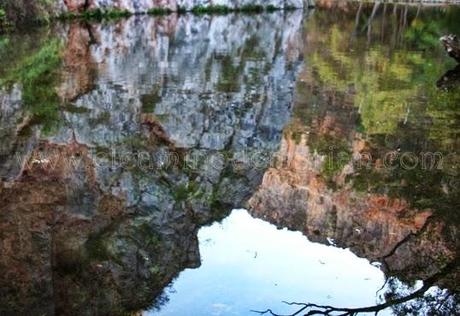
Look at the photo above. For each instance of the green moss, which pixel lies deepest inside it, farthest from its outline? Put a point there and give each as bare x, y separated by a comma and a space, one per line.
147, 235
149, 101
159, 11
188, 191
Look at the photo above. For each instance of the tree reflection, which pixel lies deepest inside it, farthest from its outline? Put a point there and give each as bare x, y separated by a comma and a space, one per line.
399, 298
375, 93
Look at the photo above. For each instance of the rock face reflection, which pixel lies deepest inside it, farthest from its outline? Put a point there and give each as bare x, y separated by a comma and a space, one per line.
331, 180
294, 194
101, 212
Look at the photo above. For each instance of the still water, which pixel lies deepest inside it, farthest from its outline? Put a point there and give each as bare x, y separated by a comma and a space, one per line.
217, 165
248, 264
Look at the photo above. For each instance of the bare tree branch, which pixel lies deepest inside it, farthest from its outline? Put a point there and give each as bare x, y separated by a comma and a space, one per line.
314, 309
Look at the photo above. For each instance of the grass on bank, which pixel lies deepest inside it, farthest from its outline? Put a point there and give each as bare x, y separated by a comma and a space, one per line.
221, 9
97, 14
114, 13
100, 14
159, 11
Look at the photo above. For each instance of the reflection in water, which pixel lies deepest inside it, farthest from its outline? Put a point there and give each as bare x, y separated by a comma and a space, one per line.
249, 264
369, 159
121, 139
109, 169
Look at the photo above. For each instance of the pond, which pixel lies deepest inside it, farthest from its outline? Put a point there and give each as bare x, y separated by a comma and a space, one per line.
222, 164
248, 264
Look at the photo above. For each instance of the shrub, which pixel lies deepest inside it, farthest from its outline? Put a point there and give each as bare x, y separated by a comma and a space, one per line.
252, 8
159, 11
3, 21
211, 9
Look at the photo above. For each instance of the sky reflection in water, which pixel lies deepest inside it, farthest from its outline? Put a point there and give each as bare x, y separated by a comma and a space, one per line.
248, 264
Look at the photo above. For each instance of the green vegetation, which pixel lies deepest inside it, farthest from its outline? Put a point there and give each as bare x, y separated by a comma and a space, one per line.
43, 11
101, 119
231, 70
335, 150
24, 12
221, 9
39, 76
383, 92
181, 10
334, 163
185, 192
159, 11
4, 42
228, 80
211, 9
387, 80
251, 8
4, 23
149, 101
2, 15
97, 14
71, 108
97, 248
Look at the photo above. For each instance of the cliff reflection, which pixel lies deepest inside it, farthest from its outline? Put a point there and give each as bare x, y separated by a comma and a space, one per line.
93, 221
121, 139
369, 160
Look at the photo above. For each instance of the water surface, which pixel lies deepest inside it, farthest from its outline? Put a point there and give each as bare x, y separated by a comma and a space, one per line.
248, 264
126, 144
